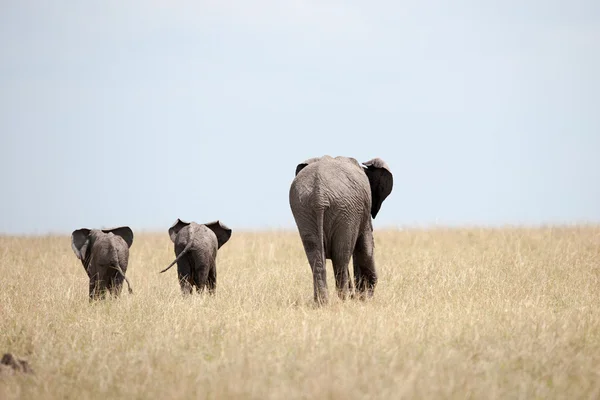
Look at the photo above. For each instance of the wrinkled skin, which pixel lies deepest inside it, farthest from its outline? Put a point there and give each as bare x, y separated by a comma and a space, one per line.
104, 254
196, 248
333, 200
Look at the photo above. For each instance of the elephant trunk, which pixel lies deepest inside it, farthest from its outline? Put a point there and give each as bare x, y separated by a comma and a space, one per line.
187, 248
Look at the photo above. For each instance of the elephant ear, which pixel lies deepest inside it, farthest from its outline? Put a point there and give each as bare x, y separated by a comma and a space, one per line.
221, 230
381, 181
301, 166
124, 232
176, 227
80, 242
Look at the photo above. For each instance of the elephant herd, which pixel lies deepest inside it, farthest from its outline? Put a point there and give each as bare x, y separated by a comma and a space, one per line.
333, 201
104, 254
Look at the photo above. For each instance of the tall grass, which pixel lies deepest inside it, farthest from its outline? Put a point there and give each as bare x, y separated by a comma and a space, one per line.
469, 313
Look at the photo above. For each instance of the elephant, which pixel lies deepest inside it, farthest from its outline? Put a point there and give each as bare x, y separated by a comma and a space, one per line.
104, 254
196, 248
333, 200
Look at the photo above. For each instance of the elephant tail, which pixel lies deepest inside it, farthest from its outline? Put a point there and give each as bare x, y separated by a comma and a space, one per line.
118, 268
321, 251
187, 248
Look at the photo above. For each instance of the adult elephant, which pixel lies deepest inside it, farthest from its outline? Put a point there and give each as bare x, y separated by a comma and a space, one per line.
104, 254
333, 200
196, 248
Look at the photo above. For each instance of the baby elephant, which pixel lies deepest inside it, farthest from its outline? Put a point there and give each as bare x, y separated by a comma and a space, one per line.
196, 250
104, 254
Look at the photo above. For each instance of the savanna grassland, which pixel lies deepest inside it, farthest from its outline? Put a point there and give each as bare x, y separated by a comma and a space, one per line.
465, 313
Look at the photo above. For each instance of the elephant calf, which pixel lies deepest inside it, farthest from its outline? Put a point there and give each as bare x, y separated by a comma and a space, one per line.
104, 254
333, 200
196, 248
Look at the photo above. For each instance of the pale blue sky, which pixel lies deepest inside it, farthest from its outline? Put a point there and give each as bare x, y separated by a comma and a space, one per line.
139, 112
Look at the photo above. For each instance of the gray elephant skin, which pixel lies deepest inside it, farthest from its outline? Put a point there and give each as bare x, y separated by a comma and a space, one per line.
196, 248
104, 254
333, 200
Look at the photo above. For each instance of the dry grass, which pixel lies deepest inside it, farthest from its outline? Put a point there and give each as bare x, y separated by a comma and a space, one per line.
472, 313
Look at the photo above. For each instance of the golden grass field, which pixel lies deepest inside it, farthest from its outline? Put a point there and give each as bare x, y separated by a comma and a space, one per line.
463, 313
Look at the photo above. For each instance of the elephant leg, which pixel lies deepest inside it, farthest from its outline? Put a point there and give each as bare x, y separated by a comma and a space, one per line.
212, 279
184, 273
201, 271
357, 273
93, 288
316, 257
103, 287
342, 278
115, 285
97, 288
350, 286
365, 275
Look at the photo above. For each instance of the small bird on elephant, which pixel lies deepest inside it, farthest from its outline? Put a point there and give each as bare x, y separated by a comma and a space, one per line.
104, 254
333, 201
196, 248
